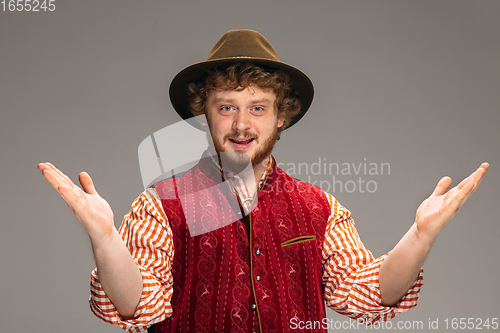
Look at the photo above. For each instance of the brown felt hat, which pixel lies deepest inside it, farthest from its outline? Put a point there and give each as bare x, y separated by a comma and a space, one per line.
239, 46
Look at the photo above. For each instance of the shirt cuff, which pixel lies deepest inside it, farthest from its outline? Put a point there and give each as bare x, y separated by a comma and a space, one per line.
359, 296
154, 305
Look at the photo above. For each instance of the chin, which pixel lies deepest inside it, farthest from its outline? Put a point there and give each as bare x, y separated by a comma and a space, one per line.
234, 161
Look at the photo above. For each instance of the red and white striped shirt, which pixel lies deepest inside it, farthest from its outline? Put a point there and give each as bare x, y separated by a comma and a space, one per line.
350, 273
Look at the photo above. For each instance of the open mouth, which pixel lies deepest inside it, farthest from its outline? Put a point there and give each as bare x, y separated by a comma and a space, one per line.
241, 143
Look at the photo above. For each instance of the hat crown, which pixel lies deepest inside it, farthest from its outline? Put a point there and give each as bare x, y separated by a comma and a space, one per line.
243, 44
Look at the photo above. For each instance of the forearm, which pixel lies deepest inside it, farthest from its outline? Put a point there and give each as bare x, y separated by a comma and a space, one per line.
118, 273
402, 266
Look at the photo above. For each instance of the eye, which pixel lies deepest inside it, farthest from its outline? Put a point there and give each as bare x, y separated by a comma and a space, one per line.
226, 108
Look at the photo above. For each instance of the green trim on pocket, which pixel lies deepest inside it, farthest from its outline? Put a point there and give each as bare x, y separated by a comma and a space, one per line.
299, 239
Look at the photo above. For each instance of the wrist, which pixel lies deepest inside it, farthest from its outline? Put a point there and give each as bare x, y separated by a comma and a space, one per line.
103, 244
420, 239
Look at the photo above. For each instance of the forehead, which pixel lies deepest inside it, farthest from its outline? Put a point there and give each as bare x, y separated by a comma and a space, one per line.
249, 93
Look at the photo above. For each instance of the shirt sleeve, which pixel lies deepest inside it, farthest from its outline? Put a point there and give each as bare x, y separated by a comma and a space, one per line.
147, 234
351, 274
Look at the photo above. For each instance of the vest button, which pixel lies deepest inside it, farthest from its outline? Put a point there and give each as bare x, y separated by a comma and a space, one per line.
257, 278
254, 307
257, 252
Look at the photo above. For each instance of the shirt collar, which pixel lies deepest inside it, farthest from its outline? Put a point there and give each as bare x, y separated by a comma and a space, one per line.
245, 197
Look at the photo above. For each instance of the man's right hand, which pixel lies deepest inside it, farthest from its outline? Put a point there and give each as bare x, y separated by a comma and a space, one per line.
93, 212
118, 273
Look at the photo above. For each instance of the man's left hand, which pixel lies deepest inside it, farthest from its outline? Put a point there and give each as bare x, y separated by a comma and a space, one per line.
438, 209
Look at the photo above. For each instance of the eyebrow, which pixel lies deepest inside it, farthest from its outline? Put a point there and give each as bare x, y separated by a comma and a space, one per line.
230, 100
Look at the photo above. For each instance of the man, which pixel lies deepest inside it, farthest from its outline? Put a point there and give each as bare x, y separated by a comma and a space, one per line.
221, 249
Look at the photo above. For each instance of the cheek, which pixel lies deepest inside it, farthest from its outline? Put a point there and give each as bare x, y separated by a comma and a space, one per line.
274, 124
217, 127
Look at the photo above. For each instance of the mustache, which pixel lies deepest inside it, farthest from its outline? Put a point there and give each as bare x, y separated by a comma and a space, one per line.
244, 134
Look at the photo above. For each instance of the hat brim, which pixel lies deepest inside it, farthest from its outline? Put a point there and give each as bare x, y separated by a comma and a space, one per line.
178, 87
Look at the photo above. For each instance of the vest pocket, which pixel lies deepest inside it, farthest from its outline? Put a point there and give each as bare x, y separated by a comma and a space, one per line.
299, 239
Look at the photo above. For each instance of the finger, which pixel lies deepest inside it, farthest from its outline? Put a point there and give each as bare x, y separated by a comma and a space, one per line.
65, 193
50, 173
42, 166
484, 165
57, 183
476, 176
481, 171
475, 181
60, 174
87, 183
442, 186
472, 178
466, 180
71, 199
462, 196
46, 166
54, 179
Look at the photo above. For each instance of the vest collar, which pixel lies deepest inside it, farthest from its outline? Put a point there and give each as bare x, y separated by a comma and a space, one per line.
208, 167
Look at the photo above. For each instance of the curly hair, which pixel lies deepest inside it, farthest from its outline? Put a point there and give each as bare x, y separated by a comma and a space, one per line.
238, 77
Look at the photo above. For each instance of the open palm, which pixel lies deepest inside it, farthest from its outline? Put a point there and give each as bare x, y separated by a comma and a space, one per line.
93, 212
440, 207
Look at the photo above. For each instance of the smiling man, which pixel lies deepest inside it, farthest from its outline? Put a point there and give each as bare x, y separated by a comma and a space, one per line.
244, 122
290, 248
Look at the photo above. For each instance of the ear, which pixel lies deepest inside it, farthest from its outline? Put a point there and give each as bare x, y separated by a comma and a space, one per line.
281, 120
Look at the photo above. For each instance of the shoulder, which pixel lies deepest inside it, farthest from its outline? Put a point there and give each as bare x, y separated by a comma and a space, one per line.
148, 203
169, 186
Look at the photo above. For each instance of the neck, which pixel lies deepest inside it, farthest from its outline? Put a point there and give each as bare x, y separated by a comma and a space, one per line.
252, 180
251, 175
260, 168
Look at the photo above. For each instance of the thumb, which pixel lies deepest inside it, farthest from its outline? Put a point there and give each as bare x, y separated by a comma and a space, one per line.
442, 186
87, 183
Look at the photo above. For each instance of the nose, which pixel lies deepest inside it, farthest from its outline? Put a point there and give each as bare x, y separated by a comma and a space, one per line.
241, 121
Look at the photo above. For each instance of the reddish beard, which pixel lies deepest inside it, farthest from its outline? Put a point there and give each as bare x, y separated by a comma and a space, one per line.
238, 160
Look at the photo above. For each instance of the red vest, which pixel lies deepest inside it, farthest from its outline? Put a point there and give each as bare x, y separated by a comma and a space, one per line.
261, 273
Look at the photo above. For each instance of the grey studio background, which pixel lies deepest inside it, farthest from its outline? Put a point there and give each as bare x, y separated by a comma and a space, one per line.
413, 84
